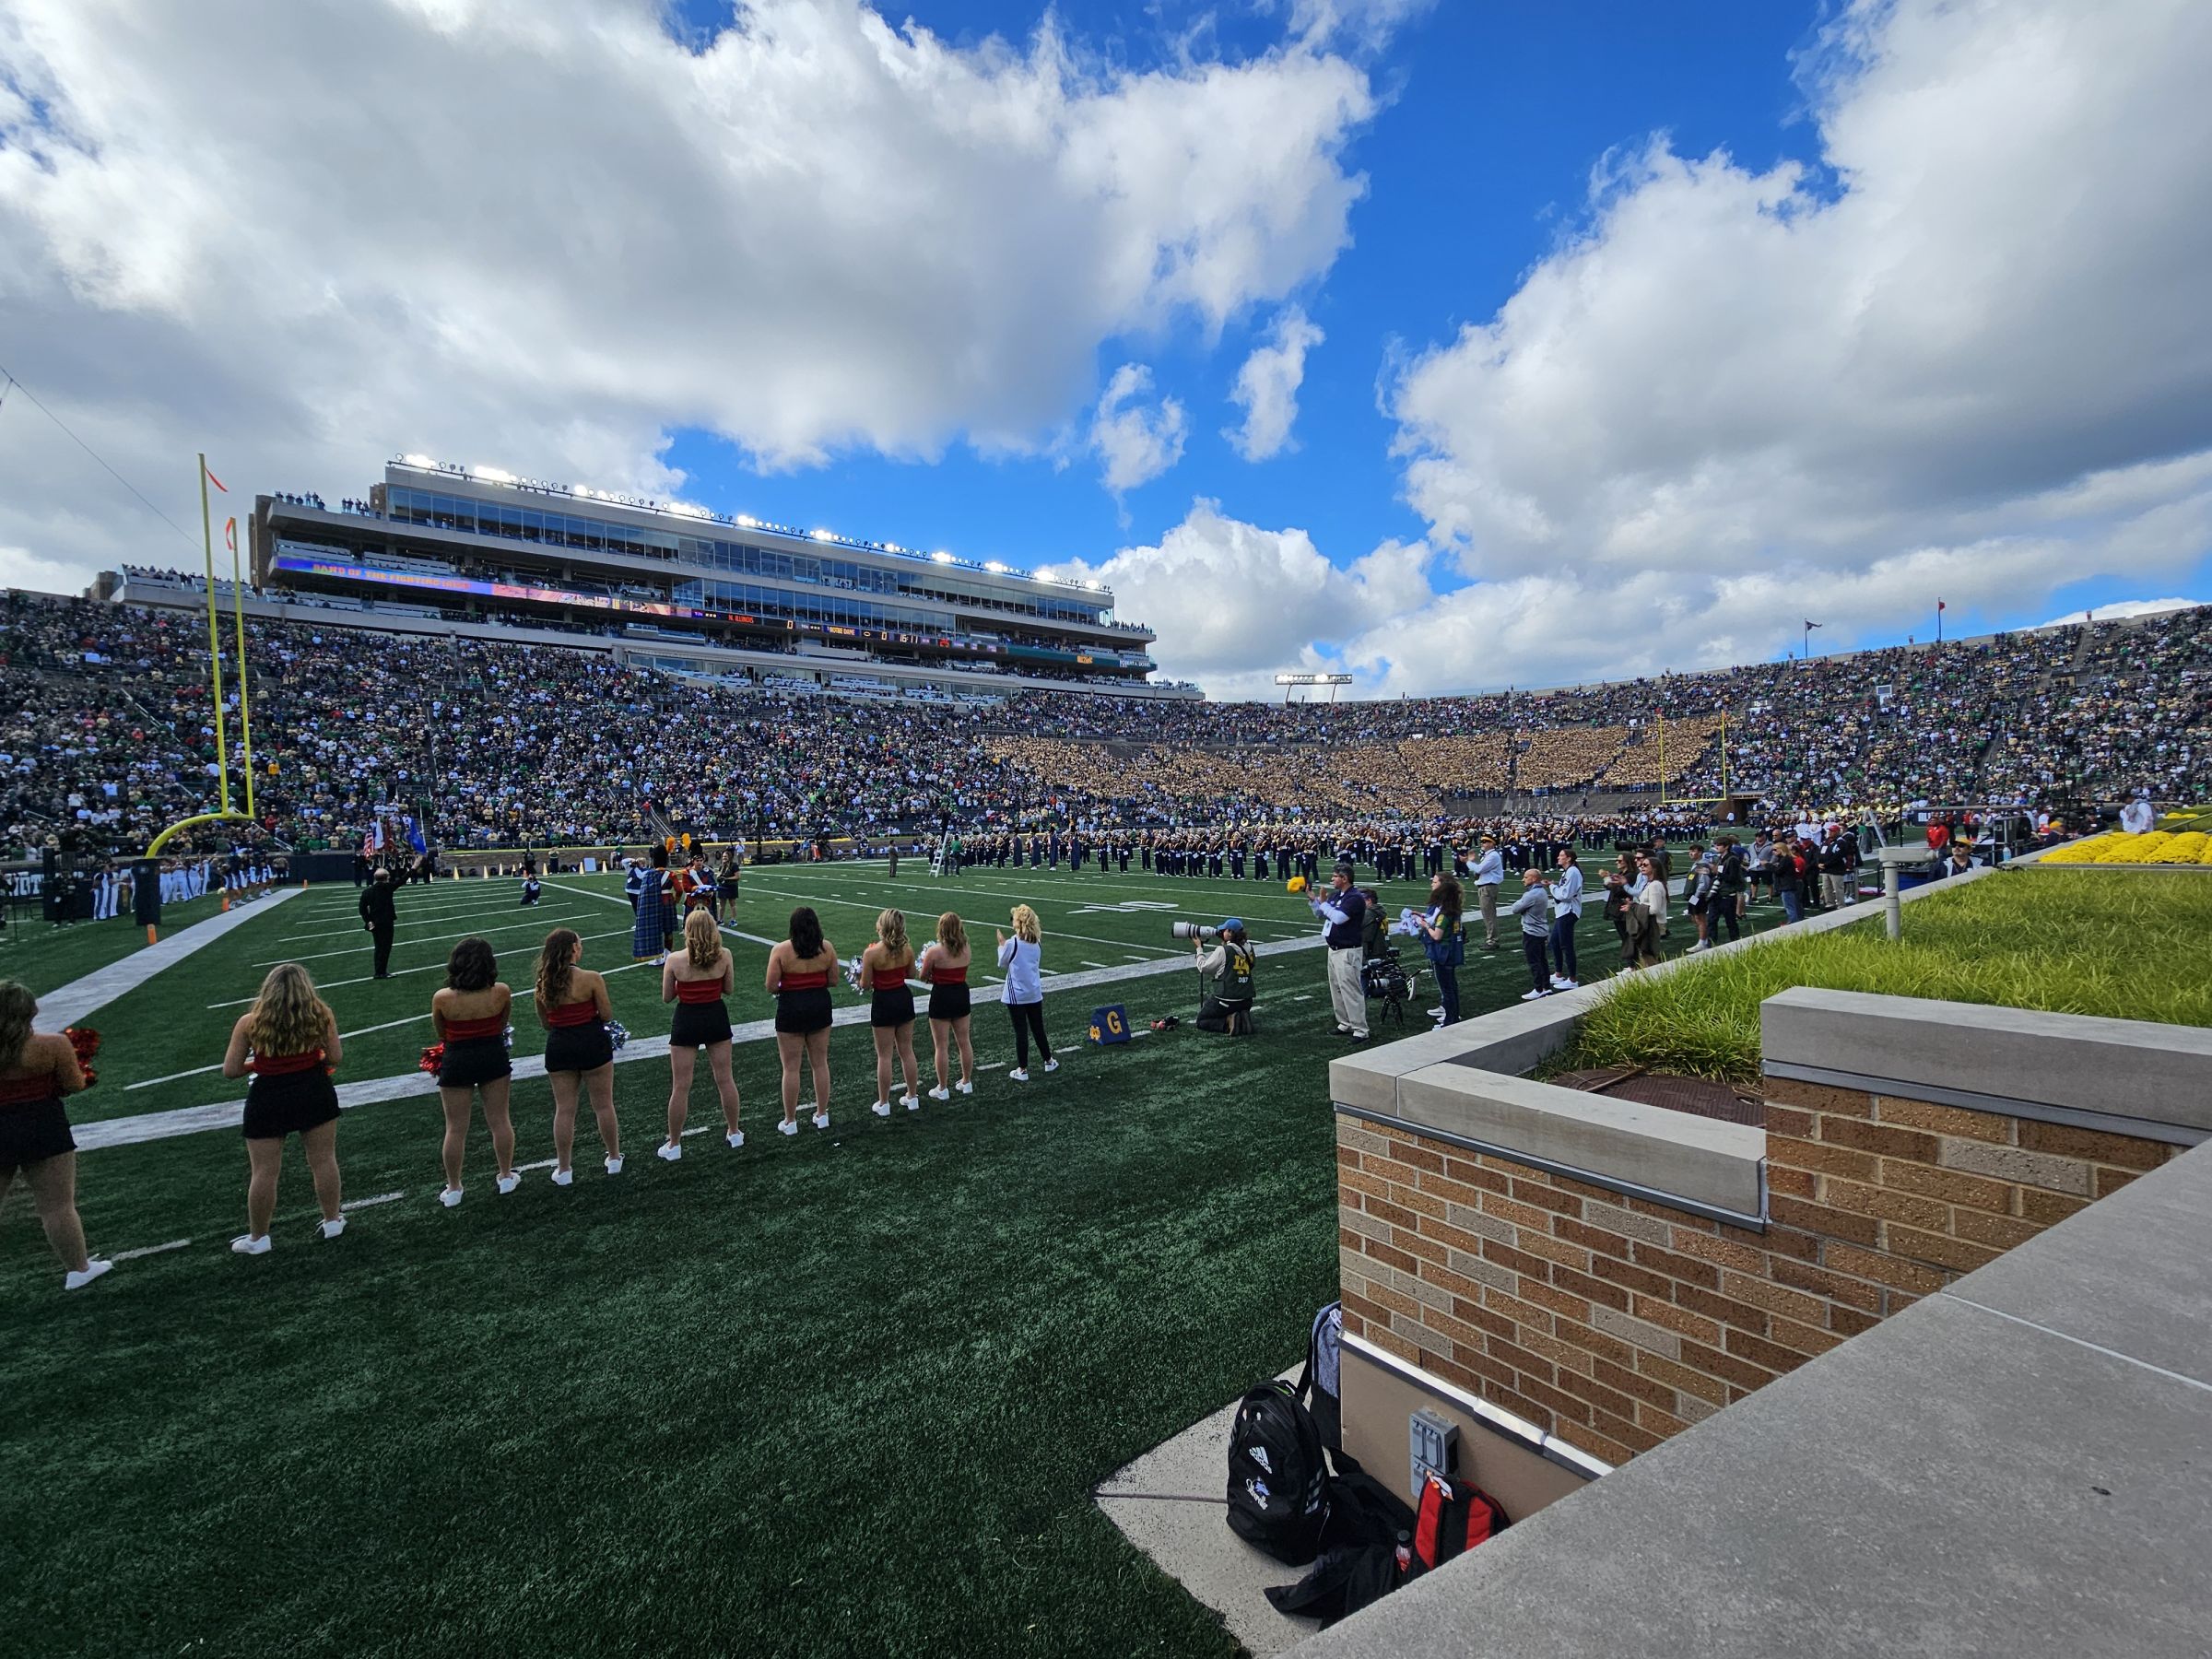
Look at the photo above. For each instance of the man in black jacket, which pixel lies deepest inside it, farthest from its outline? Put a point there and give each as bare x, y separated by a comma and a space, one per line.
379, 916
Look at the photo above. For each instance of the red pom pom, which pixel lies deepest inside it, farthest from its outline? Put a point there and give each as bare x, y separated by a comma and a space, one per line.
432, 1058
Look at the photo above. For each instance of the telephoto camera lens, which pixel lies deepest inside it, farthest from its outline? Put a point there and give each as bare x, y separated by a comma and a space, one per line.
1194, 930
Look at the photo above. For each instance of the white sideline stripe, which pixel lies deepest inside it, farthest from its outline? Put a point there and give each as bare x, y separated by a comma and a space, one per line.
147, 1250
80, 998
229, 1114
623, 899
365, 978
350, 920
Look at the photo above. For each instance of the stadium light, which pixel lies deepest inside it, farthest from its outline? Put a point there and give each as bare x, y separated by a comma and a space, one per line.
823, 534
748, 522
942, 557
996, 569
1094, 587
422, 461
492, 474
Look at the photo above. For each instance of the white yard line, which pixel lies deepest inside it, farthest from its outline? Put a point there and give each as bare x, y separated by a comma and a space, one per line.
354, 1204
622, 898
545, 924
870, 904
229, 1115
81, 998
239, 1002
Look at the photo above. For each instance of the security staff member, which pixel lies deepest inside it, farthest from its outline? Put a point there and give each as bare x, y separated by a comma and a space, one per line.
380, 916
1228, 968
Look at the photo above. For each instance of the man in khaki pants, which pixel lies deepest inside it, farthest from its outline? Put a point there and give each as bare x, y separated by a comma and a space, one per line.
1342, 910
1489, 871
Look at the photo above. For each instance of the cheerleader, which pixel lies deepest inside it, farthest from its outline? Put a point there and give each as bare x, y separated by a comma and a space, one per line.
470, 1016
36, 1071
293, 1039
944, 967
573, 1007
884, 967
697, 981
798, 978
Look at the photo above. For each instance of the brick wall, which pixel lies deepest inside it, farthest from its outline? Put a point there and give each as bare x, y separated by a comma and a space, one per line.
1614, 1322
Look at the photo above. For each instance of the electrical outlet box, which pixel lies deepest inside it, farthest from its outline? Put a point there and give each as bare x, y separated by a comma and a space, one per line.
1435, 1446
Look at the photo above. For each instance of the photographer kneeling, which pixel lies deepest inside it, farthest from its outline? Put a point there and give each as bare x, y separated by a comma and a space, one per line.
1226, 969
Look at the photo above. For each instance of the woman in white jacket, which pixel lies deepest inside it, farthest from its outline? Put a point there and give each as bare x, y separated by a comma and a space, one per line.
1021, 959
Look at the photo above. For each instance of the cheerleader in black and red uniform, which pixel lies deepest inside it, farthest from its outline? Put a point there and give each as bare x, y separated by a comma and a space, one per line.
798, 977
698, 980
945, 966
292, 1039
573, 1007
884, 966
36, 1071
470, 1014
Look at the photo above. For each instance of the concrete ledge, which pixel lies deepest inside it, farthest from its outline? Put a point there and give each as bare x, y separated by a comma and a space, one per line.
2075, 1063
1710, 1163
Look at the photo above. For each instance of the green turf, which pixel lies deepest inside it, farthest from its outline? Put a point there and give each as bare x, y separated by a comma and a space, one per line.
42, 956
2127, 945
843, 1393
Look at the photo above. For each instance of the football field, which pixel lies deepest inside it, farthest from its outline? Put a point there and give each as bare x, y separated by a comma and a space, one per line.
843, 1392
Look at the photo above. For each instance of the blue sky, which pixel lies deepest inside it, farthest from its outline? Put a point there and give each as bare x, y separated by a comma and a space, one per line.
1632, 335
1478, 164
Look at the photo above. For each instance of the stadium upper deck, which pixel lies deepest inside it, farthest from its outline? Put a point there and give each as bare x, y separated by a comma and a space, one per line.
688, 589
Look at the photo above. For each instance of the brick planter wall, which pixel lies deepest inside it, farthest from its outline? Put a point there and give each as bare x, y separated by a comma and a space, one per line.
1616, 1322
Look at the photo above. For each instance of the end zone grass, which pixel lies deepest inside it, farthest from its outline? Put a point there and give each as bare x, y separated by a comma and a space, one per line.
846, 1394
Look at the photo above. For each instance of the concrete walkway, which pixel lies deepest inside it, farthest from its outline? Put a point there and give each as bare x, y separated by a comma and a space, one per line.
73, 1001
1172, 1504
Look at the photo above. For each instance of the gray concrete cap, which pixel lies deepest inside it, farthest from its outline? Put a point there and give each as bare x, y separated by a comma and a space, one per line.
1672, 1152
2060, 1060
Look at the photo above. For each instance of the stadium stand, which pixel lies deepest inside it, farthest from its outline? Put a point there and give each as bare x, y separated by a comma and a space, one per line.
106, 733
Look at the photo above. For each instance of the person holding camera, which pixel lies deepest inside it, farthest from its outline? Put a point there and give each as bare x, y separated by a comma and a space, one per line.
1227, 970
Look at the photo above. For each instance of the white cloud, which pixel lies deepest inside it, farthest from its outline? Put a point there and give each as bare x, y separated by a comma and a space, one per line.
2121, 609
543, 233
1368, 24
1972, 355
1135, 442
1267, 385
1234, 603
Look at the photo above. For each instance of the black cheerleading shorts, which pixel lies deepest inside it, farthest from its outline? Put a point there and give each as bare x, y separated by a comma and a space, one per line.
948, 1001
580, 1048
802, 1013
891, 1005
33, 1132
698, 1024
473, 1061
290, 1103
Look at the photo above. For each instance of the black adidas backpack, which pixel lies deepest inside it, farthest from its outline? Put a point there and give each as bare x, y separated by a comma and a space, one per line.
1277, 1482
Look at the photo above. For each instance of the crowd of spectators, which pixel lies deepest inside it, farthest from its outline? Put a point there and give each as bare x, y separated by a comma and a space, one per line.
107, 731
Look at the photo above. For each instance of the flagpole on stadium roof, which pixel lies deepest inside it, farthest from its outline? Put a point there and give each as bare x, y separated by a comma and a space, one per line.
238, 609
215, 645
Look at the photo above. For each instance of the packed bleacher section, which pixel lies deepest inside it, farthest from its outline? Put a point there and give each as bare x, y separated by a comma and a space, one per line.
106, 734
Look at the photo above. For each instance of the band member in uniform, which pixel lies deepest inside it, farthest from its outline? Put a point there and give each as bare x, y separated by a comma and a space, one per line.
36, 1071
944, 966
884, 967
293, 1037
698, 980
573, 1007
798, 978
470, 1016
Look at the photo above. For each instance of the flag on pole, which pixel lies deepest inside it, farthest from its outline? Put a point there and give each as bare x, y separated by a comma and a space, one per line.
1811, 624
214, 480
230, 533
1938, 605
